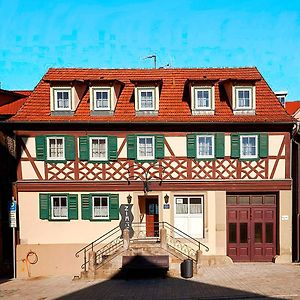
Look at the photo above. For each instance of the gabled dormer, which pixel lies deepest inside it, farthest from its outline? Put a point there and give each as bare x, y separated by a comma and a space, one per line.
146, 96
241, 95
202, 96
104, 95
65, 96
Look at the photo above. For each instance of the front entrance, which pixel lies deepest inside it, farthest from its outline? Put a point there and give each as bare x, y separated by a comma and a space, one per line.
152, 216
251, 227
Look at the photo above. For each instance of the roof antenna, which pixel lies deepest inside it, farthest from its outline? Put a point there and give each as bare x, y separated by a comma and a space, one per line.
154, 59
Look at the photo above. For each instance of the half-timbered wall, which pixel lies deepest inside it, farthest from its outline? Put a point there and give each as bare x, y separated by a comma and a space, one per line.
175, 166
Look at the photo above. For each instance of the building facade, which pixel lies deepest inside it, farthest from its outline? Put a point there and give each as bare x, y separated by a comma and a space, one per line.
205, 150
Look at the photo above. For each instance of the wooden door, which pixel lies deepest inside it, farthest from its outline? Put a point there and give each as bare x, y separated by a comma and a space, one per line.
152, 217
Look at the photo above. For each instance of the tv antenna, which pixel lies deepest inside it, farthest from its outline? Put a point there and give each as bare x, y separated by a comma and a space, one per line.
154, 59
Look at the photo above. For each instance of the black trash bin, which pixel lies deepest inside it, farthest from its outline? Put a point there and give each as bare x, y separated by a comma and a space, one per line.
186, 268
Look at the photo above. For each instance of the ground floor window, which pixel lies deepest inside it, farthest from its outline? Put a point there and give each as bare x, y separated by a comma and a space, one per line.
189, 215
100, 207
59, 207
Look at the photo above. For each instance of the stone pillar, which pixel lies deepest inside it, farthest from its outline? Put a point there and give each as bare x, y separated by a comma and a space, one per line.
92, 264
126, 239
198, 257
163, 238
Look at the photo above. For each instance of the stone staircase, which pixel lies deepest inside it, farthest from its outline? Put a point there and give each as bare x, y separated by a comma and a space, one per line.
108, 264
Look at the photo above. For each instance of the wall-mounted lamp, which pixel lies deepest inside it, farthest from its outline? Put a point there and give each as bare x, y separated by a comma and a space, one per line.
129, 198
166, 197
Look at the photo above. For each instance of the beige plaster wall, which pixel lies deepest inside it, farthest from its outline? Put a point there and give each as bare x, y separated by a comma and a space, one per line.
285, 227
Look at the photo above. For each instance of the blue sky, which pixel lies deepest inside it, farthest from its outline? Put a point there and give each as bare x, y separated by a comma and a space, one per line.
36, 35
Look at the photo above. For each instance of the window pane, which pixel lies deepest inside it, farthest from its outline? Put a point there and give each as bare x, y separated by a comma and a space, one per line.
146, 99
202, 98
146, 149
232, 232
98, 149
243, 98
258, 232
181, 205
249, 146
195, 206
269, 232
231, 200
243, 233
100, 207
62, 99
56, 148
101, 99
205, 146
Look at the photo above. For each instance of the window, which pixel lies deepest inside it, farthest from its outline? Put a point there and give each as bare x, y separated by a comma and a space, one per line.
100, 207
243, 98
249, 146
146, 99
98, 148
101, 99
59, 207
56, 148
145, 147
202, 98
62, 99
205, 146
189, 215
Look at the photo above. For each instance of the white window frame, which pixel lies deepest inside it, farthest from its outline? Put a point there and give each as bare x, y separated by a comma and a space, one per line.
138, 148
248, 89
93, 206
189, 217
204, 89
108, 90
52, 207
256, 146
48, 148
139, 92
198, 145
62, 90
106, 148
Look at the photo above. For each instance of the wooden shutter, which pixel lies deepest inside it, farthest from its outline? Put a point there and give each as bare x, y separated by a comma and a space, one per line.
263, 145
44, 200
69, 147
73, 207
235, 145
131, 147
219, 145
114, 206
40, 147
112, 148
86, 207
84, 148
159, 146
191, 145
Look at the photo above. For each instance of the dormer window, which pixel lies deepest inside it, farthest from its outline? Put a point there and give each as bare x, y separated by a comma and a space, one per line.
146, 99
202, 98
62, 99
101, 98
243, 98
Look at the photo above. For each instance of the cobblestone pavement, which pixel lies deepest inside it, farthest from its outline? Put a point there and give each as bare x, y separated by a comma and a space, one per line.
237, 281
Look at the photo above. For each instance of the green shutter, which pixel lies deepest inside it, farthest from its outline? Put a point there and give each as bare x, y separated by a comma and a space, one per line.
69, 147
86, 207
235, 145
84, 151
44, 200
219, 145
131, 147
191, 145
114, 206
263, 145
40, 147
73, 207
159, 146
112, 148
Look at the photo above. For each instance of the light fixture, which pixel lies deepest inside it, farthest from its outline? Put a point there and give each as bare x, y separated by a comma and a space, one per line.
166, 197
129, 198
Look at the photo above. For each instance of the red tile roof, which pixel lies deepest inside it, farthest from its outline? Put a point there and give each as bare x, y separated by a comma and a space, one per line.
292, 107
173, 105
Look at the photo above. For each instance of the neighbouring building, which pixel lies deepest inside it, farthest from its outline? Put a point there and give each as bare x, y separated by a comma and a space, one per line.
204, 150
10, 103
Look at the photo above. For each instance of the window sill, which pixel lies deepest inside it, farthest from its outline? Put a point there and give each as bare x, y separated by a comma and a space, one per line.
196, 112
62, 113
244, 112
102, 113
141, 113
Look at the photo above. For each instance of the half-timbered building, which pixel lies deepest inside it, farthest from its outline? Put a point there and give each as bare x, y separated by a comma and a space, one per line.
206, 151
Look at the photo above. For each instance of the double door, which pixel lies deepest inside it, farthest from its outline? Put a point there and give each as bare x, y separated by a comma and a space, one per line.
251, 232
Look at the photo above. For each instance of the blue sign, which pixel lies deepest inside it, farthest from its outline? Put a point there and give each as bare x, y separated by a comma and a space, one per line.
13, 206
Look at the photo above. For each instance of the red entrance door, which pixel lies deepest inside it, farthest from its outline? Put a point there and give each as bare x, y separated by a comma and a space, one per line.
152, 226
251, 229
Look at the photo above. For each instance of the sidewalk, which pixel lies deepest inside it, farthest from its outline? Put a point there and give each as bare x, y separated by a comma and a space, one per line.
238, 281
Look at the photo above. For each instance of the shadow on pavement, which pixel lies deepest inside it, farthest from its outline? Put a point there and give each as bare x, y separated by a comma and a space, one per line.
146, 283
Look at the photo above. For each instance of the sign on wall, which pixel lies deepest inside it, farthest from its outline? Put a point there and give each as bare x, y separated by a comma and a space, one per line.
126, 218
13, 214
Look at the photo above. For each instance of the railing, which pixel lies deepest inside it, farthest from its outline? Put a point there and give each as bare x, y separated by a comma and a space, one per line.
114, 234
